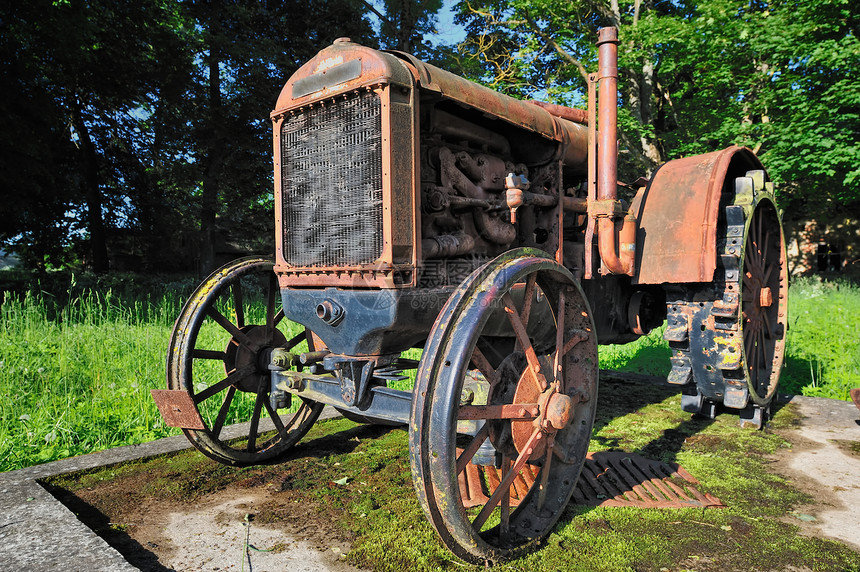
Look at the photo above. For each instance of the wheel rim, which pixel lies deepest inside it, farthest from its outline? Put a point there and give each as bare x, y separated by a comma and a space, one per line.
537, 413
763, 302
220, 358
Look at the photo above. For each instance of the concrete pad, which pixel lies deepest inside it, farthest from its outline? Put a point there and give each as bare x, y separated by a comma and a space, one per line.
826, 420
39, 534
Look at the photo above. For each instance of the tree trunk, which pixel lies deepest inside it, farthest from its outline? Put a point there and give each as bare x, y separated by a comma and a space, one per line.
215, 155
90, 183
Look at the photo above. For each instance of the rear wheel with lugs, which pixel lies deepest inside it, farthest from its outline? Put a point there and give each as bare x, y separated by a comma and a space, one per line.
508, 382
728, 337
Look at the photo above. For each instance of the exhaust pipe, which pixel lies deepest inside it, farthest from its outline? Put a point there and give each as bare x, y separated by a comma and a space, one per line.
607, 209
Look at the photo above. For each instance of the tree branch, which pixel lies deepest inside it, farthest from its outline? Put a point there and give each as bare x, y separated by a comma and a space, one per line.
565, 55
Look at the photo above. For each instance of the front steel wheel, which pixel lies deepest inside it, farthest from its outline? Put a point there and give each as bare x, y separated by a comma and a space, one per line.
508, 379
219, 356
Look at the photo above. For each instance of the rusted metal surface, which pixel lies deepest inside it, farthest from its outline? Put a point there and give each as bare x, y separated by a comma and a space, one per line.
570, 113
620, 479
728, 336
678, 216
855, 396
616, 251
607, 114
520, 113
177, 408
610, 479
478, 482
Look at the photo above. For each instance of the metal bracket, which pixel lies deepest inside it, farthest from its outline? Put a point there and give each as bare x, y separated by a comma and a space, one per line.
608, 208
177, 408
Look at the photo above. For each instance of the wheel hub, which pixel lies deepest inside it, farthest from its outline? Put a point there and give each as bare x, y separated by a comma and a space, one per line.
558, 410
239, 355
555, 410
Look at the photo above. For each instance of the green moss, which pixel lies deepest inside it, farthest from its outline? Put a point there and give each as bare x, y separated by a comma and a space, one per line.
378, 510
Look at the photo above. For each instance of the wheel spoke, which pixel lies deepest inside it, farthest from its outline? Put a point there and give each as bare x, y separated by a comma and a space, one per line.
525, 343
767, 274
222, 412
237, 334
472, 448
233, 377
544, 474
270, 305
279, 315
558, 364
505, 484
754, 260
524, 411
765, 246
576, 337
295, 340
528, 297
480, 361
255, 419
766, 321
208, 354
505, 526
238, 303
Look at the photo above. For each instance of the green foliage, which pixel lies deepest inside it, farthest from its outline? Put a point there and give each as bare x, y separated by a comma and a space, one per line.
823, 353
80, 382
779, 76
79, 356
141, 125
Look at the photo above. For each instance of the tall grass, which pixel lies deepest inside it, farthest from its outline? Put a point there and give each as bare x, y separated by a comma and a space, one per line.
76, 368
76, 379
823, 353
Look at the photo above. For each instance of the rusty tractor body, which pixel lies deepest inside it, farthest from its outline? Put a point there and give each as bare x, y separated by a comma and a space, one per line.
415, 209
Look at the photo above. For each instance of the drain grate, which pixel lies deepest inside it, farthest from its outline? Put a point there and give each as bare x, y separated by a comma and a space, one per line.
608, 479
626, 479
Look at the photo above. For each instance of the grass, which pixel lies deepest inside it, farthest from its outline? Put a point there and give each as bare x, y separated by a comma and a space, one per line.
76, 366
377, 509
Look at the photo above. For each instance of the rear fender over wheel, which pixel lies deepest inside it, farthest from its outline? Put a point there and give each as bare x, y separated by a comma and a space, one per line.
728, 337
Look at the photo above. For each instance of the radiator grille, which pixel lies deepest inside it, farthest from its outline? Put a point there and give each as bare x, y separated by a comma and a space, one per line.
332, 183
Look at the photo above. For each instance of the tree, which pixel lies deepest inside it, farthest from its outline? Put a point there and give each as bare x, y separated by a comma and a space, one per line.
86, 67
778, 76
247, 51
147, 119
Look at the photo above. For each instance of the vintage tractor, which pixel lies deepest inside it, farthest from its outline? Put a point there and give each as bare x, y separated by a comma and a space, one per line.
418, 213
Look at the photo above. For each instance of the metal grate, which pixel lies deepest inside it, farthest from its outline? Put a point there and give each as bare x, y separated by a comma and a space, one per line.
332, 183
608, 479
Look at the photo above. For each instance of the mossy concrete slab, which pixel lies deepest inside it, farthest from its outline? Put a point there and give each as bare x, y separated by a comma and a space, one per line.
39, 534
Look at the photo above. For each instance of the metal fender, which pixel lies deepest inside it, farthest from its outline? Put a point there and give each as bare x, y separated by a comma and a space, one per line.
678, 213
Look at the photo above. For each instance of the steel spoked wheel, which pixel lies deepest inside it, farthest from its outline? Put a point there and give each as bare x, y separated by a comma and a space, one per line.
219, 354
508, 379
764, 301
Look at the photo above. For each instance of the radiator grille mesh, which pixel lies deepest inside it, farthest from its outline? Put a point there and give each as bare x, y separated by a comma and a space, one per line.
331, 180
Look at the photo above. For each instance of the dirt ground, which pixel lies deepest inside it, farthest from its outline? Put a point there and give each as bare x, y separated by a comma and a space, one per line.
258, 525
